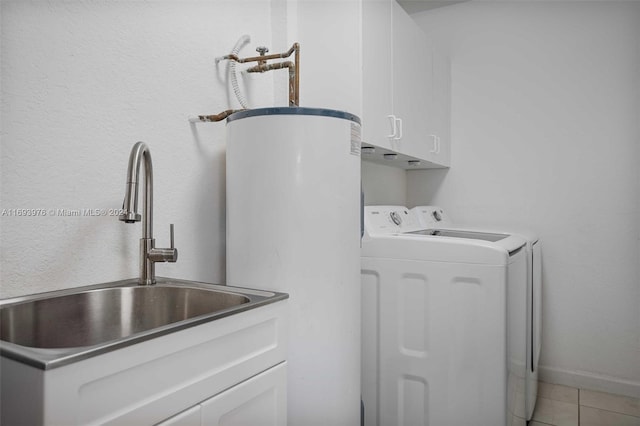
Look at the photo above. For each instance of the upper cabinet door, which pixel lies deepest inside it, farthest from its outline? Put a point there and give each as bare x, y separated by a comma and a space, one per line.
440, 109
412, 84
377, 72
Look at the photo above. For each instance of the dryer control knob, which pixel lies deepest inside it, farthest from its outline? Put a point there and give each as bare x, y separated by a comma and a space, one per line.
396, 218
437, 215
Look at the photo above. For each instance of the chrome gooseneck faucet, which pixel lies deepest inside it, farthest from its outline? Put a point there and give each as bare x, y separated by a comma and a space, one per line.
148, 253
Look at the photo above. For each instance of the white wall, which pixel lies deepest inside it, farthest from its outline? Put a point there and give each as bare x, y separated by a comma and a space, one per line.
83, 81
545, 129
383, 185
330, 35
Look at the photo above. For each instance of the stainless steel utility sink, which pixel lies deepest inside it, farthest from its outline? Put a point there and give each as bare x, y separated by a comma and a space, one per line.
57, 328
98, 316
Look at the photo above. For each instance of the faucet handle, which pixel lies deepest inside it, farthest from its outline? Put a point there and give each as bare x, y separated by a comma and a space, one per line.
164, 254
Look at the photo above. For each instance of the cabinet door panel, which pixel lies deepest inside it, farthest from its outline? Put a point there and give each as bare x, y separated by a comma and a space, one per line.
377, 72
441, 106
412, 89
259, 401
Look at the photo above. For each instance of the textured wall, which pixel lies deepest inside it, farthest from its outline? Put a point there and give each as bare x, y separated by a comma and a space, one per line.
545, 122
81, 83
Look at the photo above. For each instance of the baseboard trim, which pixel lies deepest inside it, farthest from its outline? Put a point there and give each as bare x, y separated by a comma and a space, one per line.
591, 381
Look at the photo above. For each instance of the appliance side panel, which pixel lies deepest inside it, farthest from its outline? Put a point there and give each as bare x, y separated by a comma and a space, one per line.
536, 327
441, 353
370, 343
517, 334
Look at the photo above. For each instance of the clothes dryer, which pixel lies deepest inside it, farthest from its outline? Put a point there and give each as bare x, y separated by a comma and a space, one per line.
434, 321
525, 312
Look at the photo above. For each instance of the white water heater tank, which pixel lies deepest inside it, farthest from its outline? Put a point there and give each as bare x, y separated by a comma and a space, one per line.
293, 225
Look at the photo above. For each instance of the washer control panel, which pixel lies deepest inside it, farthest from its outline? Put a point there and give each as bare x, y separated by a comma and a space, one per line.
396, 217
431, 216
389, 220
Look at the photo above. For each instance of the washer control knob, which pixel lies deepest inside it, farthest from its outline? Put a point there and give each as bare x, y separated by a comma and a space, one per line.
396, 218
437, 215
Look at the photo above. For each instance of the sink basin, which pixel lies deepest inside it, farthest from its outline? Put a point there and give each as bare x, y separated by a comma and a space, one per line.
60, 327
97, 316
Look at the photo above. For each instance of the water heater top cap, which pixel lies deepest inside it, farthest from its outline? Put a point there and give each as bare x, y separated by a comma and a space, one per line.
293, 111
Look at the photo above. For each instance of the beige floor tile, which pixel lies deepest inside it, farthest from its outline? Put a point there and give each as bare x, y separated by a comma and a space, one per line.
610, 402
557, 413
590, 416
558, 392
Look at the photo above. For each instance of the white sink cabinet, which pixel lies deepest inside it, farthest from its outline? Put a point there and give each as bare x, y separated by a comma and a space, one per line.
228, 371
406, 89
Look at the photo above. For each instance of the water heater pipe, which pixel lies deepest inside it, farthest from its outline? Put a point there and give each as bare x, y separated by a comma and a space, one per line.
263, 66
294, 68
214, 117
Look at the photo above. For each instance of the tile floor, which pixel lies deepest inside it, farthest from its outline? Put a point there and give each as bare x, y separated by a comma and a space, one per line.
566, 406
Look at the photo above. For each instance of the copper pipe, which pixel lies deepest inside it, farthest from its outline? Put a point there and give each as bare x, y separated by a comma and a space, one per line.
294, 48
218, 117
293, 93
294, 68
269, 67
294, 76
296, 82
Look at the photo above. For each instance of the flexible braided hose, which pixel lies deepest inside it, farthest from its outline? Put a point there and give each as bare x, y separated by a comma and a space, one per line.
232, 71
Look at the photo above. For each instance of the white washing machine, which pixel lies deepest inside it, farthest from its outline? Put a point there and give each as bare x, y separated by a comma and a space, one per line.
434, 321
525, 314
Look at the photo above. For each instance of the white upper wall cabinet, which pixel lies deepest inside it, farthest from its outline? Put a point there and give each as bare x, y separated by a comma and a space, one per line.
377, 60
406, 90
411, 84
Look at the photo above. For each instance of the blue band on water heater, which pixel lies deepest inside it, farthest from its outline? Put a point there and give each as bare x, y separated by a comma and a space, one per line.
293, 111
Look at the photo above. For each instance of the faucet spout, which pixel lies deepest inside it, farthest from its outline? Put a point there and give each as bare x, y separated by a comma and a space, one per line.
148, 253
130, 199
139, 152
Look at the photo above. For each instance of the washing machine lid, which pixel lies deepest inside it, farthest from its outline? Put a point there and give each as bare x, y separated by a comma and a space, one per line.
453, 233
436, 217
508, 242
428, 248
